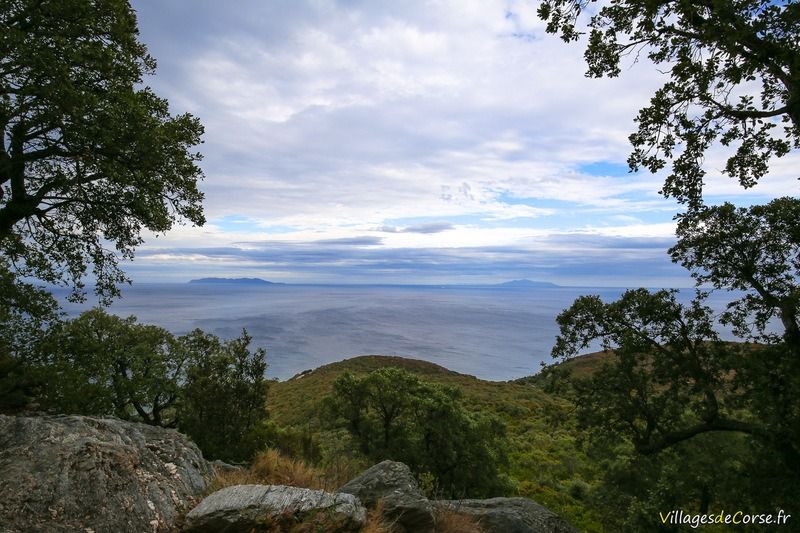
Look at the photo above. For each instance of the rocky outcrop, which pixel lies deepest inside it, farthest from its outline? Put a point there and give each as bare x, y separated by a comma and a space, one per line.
244, 508
75, 473
509, 515
403, 502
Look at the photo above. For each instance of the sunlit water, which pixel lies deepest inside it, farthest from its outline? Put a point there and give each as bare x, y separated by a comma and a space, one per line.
495, 334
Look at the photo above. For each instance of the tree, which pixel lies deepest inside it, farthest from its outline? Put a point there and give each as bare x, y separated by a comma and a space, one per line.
100, 364
678, 417
24, 311
754, 249
734, 68
392, 414
224, 397
90, 157
671, 389
670, 371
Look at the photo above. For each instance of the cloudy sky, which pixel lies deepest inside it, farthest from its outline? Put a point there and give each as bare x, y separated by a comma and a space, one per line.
443, 141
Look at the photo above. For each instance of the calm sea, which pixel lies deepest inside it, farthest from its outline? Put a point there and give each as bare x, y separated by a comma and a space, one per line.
492, 333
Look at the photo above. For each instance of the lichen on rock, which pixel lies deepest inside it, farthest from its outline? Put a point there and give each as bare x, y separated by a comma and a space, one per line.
77, 473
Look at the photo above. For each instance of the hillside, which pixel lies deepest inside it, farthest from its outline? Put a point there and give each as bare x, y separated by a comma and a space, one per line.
546, 461
295, 400
580, 366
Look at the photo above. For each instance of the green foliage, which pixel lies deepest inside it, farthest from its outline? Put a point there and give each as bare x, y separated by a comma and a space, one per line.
224, 397
18, 385
24, 311
734, 79
695, 414
755, 249
699, 422
392, 414
544, 455
89, 155
669, 366
101, 364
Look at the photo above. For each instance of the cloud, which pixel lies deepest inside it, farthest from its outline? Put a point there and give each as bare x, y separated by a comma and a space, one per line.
432, 227
349, 241
573, 259
398, 127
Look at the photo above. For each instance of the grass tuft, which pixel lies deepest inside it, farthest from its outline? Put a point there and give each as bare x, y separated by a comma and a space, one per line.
450, 521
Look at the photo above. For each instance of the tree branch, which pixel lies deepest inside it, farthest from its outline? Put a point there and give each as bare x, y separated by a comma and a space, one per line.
720, 424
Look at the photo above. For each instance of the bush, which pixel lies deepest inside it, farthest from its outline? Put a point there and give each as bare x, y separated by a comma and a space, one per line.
101, 364
223, 399
392, 414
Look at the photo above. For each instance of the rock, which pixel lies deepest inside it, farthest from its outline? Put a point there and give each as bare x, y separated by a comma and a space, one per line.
403, 502
76, 473
222, 466
510, 515
242, 508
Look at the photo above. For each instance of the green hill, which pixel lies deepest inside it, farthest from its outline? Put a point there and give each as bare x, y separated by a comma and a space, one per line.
547, 462
296, 400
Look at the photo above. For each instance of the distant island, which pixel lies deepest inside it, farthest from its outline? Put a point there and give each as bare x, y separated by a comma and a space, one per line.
237, 281
515, 284
526, 284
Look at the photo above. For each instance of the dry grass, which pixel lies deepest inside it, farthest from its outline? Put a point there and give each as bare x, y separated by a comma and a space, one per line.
270, 467
449, 521
376, 522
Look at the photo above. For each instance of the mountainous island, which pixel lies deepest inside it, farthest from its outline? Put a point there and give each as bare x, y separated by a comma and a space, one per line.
526, 284
514, 284
236, 281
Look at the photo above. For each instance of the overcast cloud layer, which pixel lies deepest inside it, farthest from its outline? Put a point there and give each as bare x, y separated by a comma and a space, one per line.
408, 142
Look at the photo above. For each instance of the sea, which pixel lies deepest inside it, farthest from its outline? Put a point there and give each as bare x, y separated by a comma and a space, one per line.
490, 332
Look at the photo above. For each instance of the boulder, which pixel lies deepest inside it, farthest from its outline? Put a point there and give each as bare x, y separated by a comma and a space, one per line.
76, 473
244, 508
509, 515
222, 466
403, 502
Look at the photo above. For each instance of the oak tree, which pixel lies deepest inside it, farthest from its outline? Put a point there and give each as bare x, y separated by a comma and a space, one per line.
101, 364
90, 156
734, 78
670, 389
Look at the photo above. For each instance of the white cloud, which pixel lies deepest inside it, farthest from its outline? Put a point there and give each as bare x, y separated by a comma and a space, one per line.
329, 119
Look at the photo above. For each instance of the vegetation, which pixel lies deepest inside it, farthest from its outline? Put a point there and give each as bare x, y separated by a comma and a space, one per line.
392, 414
271, 467
89, 156
24, 312
678, 418
734, 78
100, 364
667, 417
546, 461
223, 398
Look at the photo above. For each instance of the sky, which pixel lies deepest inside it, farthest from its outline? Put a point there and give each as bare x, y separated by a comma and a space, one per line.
417, 142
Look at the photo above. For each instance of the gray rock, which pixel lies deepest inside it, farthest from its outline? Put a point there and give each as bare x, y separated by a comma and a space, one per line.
75, 473
222, 466
510, 515
241, 508
403, 502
